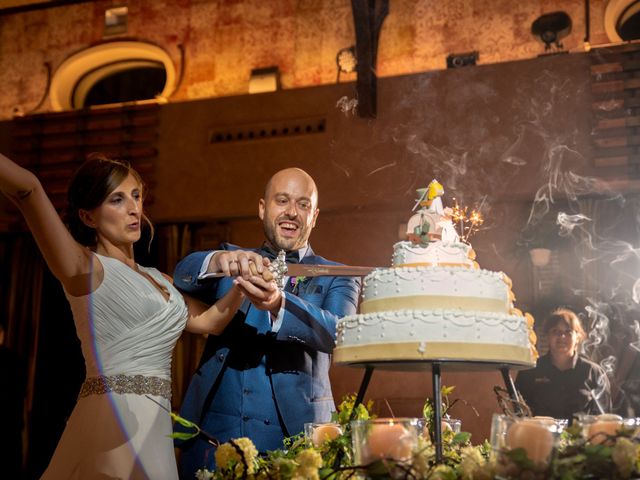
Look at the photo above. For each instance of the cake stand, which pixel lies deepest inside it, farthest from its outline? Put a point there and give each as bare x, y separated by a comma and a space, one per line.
436, 366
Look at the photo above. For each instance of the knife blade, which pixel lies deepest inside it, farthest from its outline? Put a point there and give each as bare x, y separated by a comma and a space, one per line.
313, 270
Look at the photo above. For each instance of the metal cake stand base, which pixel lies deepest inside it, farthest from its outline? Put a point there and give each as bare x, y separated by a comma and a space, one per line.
436, 366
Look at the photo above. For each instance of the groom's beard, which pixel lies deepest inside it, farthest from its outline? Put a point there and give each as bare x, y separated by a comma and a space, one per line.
288, 244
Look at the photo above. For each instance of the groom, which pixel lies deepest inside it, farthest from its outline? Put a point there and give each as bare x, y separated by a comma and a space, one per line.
268, 372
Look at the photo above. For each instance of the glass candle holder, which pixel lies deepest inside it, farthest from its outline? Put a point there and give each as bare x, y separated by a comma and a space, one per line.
392, 439
560, 423
448, 424
455, 424
537, 437
599, 429
633, 424
316, 434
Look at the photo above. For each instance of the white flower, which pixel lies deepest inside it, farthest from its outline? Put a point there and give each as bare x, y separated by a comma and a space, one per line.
204, 474
473, 465
422, 457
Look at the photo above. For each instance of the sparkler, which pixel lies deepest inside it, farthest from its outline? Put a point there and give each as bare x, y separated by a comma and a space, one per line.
466, 223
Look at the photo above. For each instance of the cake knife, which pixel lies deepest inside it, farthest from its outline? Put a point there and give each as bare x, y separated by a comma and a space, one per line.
279, 269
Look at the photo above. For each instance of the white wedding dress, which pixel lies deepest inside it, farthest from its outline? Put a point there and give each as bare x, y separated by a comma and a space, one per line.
128, 330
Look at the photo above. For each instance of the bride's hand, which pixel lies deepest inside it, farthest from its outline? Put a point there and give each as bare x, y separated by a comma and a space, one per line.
264, 295
266, 275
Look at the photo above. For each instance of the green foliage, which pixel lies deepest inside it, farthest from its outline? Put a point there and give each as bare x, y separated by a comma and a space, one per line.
185, 423
519, 457
345, 411
428, 410
461, 438
575, 457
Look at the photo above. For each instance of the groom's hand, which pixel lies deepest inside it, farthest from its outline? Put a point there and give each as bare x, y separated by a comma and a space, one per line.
264, 295
237, 262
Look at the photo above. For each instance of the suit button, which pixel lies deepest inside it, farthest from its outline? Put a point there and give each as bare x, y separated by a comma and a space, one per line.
220, 357
246, 391
245, 419
267, 422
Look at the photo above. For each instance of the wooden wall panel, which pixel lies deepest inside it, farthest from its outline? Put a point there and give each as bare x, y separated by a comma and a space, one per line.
615, 84
54, 145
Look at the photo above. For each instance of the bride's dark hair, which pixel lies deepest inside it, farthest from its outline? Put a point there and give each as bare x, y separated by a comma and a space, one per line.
90, 185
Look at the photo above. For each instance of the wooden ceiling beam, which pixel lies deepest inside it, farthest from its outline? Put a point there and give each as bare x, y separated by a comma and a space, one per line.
368, 17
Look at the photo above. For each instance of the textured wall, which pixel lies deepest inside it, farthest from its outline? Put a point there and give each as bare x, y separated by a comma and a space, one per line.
225, 39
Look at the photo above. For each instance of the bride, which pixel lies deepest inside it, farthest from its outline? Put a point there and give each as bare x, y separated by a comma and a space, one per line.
127, 317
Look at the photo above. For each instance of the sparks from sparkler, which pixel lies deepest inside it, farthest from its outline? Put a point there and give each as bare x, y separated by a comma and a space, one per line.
467, 224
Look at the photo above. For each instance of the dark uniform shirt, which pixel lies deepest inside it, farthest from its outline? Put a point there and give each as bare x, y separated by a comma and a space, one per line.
560, 393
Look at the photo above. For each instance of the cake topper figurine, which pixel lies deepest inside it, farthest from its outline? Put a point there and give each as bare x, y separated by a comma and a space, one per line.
434, 194
430, 197
448, 233
432, 221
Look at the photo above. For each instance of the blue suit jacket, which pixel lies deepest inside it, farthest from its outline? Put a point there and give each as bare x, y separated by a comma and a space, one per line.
299, 361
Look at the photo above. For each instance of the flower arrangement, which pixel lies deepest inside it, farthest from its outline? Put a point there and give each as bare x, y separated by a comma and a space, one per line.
239, 459
334, 458
579, 456
576, 455
298, 459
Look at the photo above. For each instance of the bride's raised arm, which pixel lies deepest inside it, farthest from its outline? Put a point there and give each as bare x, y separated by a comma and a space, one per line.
69, 261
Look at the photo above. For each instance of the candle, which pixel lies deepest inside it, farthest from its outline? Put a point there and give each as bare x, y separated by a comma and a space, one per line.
390, 440
545, 420
448, 424
604, 426
325, 432
533, 436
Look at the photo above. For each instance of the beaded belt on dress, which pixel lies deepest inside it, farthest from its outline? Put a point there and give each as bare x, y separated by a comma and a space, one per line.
136, 384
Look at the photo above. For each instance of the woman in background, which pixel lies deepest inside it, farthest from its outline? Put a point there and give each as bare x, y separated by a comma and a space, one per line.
128, 319
564, 382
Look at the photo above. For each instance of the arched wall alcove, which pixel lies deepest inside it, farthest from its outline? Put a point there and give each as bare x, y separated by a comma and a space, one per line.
619, 16
75, 77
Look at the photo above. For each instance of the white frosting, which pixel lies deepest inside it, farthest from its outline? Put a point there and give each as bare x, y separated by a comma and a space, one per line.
434, 253
428, 282
433, 326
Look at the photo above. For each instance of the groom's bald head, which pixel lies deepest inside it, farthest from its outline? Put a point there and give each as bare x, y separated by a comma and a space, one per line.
289, 209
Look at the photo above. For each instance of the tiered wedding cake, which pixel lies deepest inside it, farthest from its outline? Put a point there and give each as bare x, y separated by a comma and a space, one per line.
435, 303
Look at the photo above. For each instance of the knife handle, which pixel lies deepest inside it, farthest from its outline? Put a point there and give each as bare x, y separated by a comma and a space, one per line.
267, 276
